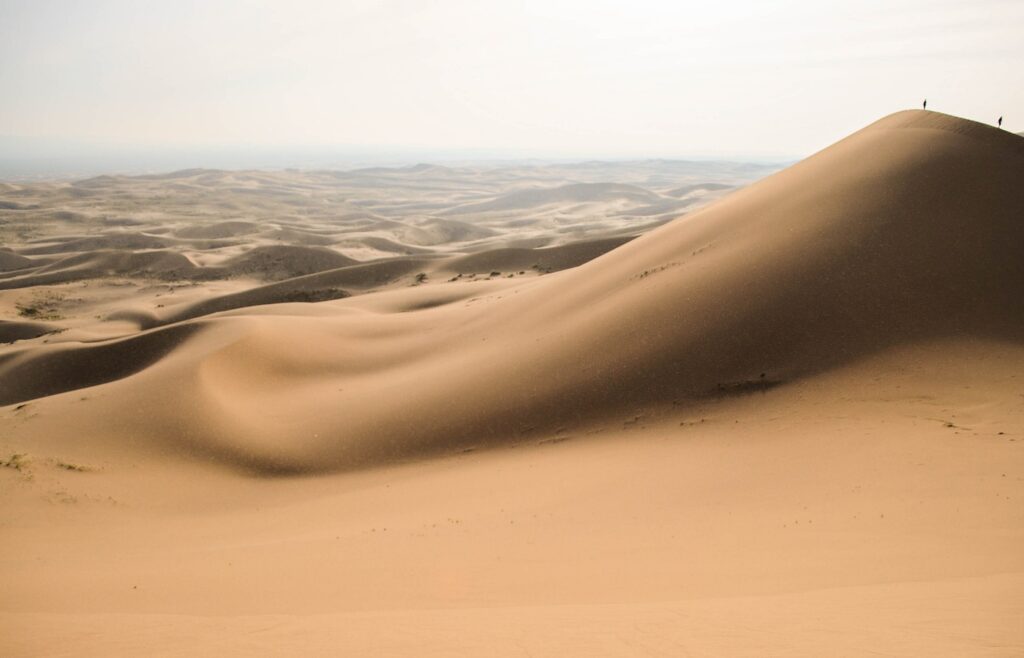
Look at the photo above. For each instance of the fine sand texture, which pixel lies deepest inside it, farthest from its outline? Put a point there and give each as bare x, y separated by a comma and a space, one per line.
789, 422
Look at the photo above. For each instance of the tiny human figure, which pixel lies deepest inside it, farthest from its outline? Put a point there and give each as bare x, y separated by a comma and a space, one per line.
1000, 122
924, 105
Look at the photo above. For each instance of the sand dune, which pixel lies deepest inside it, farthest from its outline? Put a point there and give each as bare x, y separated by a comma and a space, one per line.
95, 264
577, 193
284, 262
269, 262
697, 187
364, 213
826, 262
387, 246
337, 283
111, 241
90, 365
219, 230
550, 259
15, 331
120, 262
12, 261
437, 231
798, 406
830, 516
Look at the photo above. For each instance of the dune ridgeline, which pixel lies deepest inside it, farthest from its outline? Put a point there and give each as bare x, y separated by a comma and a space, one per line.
908, 231
787, 423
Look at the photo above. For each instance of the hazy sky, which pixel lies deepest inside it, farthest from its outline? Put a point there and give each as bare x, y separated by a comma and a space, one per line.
545, 78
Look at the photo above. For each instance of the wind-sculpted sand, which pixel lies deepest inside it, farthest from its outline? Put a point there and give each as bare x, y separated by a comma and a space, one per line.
209, 232
787, 422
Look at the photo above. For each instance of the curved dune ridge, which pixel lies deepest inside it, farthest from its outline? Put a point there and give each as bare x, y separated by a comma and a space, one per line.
291, 265
339, 282
574, 192
908, 230
219, 230
94, 264
21, 330
10, 261
283, 262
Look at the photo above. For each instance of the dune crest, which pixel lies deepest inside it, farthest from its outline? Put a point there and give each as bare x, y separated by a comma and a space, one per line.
799, 408
907, 231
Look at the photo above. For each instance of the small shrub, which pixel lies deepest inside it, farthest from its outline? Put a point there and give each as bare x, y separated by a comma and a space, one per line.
316, 295
45, 306
73, 467
16, 461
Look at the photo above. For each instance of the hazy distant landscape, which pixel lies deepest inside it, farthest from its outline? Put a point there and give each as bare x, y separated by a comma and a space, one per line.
158, 248
301, 384
536, 328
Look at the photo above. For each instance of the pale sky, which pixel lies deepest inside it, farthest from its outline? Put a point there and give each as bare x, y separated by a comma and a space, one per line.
588, 78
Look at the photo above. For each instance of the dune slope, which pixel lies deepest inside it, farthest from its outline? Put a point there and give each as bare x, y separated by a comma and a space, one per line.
906, 231
790, 424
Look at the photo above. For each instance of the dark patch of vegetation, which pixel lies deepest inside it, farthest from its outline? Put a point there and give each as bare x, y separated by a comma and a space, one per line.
67, 466
45, 306
761, 384
661, 268
950, 424
313, 296
17, 461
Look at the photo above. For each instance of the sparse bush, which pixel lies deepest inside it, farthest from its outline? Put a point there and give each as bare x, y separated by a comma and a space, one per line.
17, 461
317, 295
45, 306
73, 467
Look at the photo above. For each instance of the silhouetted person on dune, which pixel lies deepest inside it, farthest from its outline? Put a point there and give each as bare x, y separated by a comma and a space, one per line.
924, 105
1000, 122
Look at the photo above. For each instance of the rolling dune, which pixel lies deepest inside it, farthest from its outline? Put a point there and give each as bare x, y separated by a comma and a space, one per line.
577, 193
10, 261
907, 231
285, 262
797, 407
92, 265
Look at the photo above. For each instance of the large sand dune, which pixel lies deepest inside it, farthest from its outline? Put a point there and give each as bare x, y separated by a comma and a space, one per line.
789, 423
868, 245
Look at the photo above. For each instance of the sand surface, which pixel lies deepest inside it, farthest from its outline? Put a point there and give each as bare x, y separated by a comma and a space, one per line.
788, 422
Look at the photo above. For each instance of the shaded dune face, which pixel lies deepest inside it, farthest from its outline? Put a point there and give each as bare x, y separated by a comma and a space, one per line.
95, 264
30, 374
21, 330
907, 231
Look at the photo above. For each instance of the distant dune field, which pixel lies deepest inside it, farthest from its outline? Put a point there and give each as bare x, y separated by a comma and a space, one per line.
601, 409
